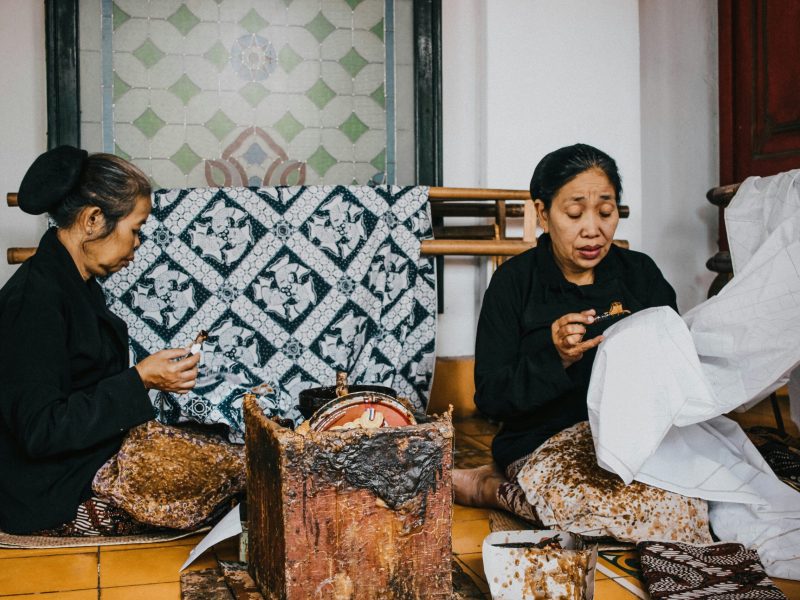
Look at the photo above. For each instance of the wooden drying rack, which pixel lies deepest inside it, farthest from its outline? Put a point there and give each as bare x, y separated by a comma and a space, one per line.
450, 240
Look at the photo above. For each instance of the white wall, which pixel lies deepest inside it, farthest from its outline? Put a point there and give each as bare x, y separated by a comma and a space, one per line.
464, 161
522, 78
680, 140
23, 117
560, 73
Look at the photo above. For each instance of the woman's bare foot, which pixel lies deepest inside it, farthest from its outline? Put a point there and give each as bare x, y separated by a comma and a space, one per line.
478, 487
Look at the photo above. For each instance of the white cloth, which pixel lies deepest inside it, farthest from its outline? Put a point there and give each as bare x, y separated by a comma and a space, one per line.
659, 384
747, 336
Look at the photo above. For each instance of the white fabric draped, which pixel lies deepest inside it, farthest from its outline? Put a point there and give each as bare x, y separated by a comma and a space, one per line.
660, 383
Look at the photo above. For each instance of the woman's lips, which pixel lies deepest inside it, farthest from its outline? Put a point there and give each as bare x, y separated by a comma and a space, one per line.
590, 252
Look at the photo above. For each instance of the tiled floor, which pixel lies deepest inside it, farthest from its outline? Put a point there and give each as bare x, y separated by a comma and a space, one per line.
150, 572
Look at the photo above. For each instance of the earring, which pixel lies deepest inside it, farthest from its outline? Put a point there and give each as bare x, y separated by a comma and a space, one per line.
90, 232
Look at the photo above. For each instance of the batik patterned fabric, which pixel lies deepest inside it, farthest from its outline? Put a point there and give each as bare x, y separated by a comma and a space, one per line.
571, 492
172, 477
675, 571
292, 284
781, 451
97, 517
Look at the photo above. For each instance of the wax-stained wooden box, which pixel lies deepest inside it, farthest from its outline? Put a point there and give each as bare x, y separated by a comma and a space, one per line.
352, 514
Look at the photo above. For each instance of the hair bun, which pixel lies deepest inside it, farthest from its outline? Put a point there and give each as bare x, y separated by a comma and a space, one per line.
50, 178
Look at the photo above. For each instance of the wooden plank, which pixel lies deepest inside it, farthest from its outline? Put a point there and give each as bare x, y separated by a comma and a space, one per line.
477, 193
529, 222
15, 256
208, 584
721, 196
468, 232
474, 247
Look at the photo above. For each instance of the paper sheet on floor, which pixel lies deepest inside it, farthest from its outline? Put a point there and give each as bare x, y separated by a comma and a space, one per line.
229, 526
660, 383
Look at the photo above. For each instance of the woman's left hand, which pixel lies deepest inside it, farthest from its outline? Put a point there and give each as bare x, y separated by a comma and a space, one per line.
567, 333
171, 370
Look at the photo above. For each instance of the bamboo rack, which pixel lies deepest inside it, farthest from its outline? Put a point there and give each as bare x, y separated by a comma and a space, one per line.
463, 240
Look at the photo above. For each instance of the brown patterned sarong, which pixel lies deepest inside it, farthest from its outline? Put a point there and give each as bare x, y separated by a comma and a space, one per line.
512, 497
677, 571
172, 477
97, 517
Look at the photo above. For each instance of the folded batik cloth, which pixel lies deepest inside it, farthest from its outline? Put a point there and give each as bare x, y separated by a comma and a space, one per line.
781, 451
674, 571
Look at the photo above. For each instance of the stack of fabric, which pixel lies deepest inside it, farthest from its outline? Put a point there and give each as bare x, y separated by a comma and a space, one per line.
292, 284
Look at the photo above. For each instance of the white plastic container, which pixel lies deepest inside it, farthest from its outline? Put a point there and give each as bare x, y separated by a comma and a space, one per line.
517, 570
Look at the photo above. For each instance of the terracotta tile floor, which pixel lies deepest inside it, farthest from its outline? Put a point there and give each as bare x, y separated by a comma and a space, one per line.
150, 572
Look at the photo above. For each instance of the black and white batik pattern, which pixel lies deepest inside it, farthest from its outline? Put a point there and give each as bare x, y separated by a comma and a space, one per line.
726, 571
292, 284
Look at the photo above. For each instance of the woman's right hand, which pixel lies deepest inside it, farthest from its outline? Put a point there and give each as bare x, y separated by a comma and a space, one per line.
567, 333
161, 371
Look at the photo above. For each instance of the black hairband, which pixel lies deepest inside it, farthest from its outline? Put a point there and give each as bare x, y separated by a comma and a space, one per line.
50, 178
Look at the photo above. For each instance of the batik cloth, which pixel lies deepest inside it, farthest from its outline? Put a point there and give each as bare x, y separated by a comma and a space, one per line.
173, 477
512, 497
570, 492
98, 517
781, 451
674, 571
292, 284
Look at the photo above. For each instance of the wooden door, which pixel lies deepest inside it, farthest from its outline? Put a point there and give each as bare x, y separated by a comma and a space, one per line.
759, 100
759, 87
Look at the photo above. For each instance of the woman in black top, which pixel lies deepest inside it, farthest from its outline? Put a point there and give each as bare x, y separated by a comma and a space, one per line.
545, 310
67, 392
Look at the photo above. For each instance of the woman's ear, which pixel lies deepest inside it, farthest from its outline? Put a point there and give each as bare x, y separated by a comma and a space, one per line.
541, 215
91, 221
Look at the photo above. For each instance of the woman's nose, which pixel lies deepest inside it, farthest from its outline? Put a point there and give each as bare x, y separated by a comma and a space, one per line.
591, 226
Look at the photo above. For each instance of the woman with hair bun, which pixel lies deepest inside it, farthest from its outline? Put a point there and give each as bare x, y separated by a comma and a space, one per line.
67, 393
544, 314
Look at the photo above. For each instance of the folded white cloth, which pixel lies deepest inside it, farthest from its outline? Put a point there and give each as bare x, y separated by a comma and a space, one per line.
659, 383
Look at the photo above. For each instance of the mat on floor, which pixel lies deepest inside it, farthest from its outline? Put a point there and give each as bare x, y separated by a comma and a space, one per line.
8, 540
231, 581
500, 520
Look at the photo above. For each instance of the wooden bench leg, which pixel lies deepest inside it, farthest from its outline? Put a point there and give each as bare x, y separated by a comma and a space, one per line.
776, 409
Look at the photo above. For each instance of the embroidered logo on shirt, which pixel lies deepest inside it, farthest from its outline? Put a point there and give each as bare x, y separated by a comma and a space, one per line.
615, 310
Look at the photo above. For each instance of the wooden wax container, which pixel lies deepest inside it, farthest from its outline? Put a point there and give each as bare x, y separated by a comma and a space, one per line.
349, 514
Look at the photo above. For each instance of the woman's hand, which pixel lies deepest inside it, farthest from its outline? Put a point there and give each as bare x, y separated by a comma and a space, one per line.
568, 332
161, 371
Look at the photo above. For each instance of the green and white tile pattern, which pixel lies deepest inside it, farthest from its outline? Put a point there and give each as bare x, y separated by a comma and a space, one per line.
282, 90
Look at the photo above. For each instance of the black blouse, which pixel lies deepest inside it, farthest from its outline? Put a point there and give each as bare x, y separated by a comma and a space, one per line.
67, 394
519, 378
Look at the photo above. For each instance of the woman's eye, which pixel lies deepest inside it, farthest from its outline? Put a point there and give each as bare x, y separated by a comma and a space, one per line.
606, 215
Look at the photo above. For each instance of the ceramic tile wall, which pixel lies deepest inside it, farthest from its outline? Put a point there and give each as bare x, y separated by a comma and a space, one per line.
246, 92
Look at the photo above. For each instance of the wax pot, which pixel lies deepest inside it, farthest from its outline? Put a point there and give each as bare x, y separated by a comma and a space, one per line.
356, 513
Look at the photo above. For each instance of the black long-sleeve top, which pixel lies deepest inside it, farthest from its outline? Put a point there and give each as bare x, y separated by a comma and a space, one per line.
519, 378
67, 394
